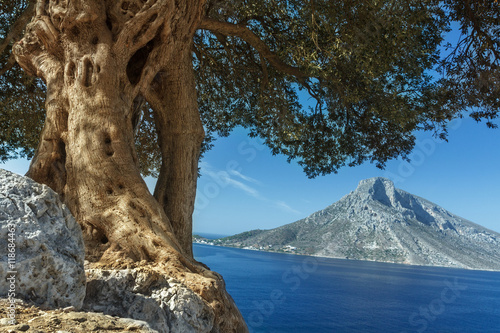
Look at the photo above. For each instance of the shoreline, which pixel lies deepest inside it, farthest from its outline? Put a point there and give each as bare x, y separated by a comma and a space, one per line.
343, 258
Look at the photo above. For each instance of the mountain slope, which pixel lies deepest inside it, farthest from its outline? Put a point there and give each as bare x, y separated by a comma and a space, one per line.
379, 222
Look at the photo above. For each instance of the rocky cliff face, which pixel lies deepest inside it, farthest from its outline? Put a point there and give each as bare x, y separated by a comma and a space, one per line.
379, 222
42, 253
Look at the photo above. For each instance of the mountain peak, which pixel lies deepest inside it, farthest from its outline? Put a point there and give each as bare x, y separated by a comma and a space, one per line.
378, 188
376, 181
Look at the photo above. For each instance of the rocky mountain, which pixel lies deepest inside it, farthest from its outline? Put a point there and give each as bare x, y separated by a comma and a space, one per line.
381, 223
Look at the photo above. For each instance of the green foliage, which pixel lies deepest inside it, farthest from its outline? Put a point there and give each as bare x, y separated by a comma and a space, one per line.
146, 143
351, 80
21, 97
366, 65
21, 114
472, 68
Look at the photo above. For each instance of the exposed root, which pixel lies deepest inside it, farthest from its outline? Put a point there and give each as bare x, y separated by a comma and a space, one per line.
195, 276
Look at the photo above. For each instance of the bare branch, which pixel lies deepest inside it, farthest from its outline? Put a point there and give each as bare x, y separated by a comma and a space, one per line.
151, 69
46, 32
39, 53
196, 52
251, 38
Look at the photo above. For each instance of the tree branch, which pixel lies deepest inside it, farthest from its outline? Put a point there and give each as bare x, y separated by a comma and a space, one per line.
10, 63
143, 27
153, 65
477, 28
265, 80
251, 38
39, 53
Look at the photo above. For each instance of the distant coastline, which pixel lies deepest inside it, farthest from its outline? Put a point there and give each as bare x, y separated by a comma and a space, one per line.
209, 236
198, 239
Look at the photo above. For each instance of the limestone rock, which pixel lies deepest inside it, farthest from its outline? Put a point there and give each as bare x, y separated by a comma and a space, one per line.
58, 321
164, 303
47, 258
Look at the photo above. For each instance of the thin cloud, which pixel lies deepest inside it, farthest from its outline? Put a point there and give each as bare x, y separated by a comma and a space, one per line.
237, 180
249, 190
204, 166
285, 207
223, 179
245, 178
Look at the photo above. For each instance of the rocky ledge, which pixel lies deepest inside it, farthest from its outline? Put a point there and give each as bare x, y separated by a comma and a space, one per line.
33, 319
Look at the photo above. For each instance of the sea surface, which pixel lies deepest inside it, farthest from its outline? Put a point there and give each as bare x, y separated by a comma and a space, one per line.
282, 293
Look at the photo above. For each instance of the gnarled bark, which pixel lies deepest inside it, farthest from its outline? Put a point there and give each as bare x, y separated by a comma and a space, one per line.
96, 57
180, 133
48, 166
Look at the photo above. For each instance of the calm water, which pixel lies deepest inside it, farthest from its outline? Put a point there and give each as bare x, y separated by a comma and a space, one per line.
279, 293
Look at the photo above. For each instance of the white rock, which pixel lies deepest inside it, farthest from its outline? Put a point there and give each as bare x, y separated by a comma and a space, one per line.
5, 322
48, 245
168, 306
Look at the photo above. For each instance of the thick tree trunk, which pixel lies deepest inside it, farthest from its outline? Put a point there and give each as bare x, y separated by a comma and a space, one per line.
106, 191
87, 149
96, 58
180, 134
87, 152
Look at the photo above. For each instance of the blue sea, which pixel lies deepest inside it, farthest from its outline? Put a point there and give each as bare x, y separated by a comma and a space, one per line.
281, 293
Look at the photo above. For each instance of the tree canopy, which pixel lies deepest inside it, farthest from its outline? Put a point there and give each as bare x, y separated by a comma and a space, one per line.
372, 73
